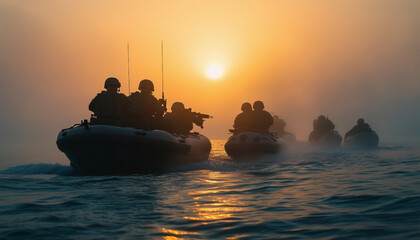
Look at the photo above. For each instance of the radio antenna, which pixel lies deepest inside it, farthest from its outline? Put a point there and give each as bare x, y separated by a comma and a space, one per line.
128, 66
163, 101
161, 48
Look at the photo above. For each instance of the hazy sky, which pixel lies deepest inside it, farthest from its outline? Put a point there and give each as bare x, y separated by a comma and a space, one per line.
344, 59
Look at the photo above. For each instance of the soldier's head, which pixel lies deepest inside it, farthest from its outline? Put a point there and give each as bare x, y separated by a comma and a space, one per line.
282, 123
360, 121
112, 84
246, 107
146, 86
177, 107
258, 105
322, 118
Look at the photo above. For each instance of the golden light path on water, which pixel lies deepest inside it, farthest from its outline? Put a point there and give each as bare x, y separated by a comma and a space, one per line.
209, 205
225, 199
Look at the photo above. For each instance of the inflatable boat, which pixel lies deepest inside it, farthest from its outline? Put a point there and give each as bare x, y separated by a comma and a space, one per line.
251, 144
287, 137
329, 140
363, 139
103, 149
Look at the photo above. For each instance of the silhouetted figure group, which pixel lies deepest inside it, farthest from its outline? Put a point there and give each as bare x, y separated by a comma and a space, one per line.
254, 119
322, 125
278, 127
141, 110
360, 127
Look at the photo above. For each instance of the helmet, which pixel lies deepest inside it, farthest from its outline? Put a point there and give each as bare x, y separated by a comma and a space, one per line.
146, 84
246, 107
177, 107
112, 82
360, 121
282, 123
321, 118
258, 105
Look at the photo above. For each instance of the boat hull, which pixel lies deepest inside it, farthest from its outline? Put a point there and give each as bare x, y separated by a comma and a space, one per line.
288, 138
251, 144
101, 149
364, 139
329, 140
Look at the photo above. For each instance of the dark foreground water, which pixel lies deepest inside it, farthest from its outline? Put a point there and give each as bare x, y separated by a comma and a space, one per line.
335, 194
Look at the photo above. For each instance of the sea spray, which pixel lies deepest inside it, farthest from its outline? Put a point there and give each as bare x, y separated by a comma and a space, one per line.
38, 168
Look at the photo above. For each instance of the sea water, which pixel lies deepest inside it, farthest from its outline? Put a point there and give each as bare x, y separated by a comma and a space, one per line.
346, 193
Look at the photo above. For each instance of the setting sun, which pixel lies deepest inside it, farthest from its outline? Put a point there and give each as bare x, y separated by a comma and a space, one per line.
238, 119
214, 71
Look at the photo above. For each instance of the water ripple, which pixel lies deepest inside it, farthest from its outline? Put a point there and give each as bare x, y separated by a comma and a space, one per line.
334, 194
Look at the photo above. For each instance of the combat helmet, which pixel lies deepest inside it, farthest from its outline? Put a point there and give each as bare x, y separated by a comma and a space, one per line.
279, 120
246, 107
146, 84
177, 107
322, 118
258, 105
112, 82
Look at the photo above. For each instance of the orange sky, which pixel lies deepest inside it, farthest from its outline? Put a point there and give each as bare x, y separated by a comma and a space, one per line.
345, 59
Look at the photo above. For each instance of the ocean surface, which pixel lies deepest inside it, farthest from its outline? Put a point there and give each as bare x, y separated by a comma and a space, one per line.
304, 193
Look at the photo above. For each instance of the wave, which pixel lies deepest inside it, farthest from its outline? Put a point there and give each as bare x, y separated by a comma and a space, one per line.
39, 168
408, 203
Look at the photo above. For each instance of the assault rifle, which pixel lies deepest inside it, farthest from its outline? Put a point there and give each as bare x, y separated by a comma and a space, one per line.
162, 103
198, 118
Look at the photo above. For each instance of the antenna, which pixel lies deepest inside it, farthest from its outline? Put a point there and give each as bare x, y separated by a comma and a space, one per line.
162, 101
128, 60
161, 48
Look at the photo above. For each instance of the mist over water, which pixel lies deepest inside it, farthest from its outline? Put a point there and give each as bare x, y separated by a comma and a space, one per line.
302, 193
345, 60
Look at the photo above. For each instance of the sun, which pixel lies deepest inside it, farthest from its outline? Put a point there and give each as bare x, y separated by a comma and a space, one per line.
214, 71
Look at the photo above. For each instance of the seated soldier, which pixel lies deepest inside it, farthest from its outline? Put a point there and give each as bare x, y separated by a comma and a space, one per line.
181, 120
241, 121
260, 120
322, 125
325, 125
278, 127
146, 110
314, 136
360, 127
109, 107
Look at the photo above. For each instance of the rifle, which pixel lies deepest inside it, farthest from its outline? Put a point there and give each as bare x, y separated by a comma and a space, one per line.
163, 100
198, 118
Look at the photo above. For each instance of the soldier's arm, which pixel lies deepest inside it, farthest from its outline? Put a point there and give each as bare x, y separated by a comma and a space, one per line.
351, 131
92, 105
158, 108
236, 122
125, 101
270, 119
198, 121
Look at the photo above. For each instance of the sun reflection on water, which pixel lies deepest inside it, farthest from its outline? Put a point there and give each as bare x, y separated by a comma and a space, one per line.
176, 233
218, 208
210, 204
237, 236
